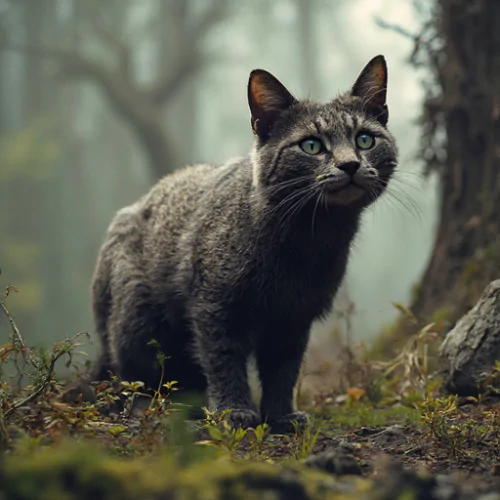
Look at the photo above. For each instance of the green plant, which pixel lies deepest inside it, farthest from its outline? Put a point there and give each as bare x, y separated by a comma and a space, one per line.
489, 383
457, 432
306, 440
222, 434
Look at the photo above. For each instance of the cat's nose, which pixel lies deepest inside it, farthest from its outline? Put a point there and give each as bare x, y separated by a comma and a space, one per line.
349, 167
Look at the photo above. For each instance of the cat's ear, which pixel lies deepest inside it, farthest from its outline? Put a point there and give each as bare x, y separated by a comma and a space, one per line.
267, 98
371, 86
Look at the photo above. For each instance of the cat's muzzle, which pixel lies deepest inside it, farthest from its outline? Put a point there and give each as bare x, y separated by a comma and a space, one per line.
343, 193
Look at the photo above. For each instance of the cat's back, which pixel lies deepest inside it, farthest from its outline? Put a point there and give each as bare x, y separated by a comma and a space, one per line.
192, 193
163, 211
177, 195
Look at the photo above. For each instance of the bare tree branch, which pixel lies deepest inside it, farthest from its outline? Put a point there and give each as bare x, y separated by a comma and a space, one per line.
57, 353
111, 39
175, 76
132, 104
395, 27
138, 105
15, 330
189, 59
214, 14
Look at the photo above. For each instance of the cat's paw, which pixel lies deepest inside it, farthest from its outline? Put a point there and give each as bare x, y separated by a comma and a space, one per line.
288, 424
240, 418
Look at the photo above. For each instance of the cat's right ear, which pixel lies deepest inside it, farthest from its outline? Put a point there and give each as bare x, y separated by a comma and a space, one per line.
267, 98
371, 86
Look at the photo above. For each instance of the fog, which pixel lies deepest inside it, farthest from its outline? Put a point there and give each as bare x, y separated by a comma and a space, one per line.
69, 158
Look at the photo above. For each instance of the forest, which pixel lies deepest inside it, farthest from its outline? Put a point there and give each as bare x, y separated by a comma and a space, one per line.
100, 99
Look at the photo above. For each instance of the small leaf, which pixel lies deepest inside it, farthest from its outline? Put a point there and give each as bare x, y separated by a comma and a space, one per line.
207, 443
402, 309
356, 393
215, 433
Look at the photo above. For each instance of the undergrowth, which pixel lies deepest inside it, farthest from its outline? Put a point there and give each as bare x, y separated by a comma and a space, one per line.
37, 416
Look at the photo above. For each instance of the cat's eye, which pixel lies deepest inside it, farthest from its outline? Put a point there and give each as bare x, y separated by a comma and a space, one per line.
365, 141
311, 146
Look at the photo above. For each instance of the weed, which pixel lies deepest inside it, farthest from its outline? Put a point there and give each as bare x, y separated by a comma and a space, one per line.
456, 431
222, 434
35, 416
489, 383
306, 440
356, 414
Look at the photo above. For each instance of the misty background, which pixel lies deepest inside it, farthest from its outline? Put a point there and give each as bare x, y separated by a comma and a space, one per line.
70, 157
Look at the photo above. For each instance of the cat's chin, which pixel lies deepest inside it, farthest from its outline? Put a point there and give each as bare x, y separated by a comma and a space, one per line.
346, 196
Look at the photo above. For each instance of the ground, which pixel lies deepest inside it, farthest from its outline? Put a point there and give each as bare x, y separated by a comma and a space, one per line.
388, 432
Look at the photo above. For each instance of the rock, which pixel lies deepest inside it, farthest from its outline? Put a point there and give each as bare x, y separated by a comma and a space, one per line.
334, 461
389, 435
396, 482
471, 348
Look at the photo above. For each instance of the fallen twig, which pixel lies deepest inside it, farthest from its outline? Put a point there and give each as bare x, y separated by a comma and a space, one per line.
58, 353
15, 330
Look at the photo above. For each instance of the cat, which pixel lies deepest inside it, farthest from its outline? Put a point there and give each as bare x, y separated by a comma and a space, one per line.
222, 263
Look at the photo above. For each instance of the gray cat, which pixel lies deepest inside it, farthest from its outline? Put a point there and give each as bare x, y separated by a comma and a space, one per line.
220, 263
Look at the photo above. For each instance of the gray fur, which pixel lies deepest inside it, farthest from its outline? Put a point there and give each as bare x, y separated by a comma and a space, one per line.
221, 263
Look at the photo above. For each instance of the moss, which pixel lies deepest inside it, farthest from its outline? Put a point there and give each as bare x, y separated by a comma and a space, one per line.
478, 271
78, 471
363, 414
443, 315
415, 291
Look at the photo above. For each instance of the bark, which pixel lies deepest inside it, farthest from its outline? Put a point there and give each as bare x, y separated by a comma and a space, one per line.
470, 350
465, 109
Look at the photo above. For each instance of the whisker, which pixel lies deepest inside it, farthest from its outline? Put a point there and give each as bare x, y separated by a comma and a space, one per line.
314, 212
284, 221
402, 171
325, 203
289, 198
284, 184
407, 202
286, 218
406, 180
296, 201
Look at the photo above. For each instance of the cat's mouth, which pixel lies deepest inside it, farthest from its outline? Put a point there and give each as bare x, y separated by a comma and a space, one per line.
345, 194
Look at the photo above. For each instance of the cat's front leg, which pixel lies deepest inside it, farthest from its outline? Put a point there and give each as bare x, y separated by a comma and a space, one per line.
279, 358
224, 362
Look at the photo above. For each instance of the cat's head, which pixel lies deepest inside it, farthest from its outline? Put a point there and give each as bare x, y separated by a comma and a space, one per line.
340, 153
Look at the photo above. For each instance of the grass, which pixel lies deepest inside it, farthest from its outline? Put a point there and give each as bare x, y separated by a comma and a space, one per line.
355, 415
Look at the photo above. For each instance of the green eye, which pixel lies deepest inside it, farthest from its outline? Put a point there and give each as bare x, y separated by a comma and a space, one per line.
365, 141
311, 146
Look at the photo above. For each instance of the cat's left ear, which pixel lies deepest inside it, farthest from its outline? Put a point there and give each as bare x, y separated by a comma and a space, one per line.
371, 86
267, 98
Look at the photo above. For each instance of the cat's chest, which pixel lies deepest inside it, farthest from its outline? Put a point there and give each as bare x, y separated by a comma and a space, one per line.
298, 282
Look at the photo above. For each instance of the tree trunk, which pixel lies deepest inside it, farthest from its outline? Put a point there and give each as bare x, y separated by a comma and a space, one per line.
306, 32
466, 255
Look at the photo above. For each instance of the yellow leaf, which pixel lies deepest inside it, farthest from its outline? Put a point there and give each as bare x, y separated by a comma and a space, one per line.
206, 443
356, 393
402, 309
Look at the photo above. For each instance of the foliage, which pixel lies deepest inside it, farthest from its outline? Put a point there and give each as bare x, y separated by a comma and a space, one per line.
354, 415
28, 156
456, 431
55, 443
80, 471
